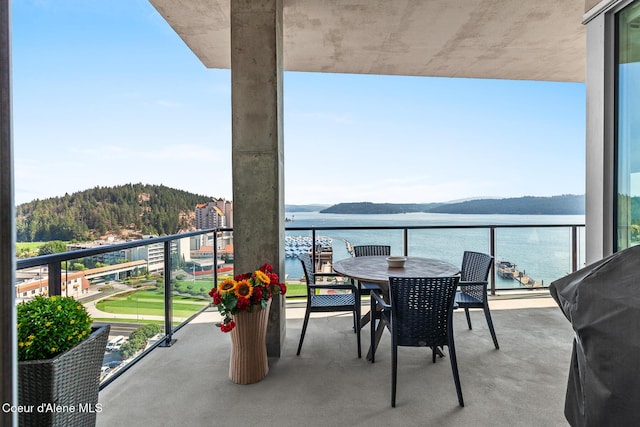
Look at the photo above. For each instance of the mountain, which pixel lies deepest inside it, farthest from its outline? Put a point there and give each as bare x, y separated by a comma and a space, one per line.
555, 205
137, 209
379, 208
133, 210
304, 208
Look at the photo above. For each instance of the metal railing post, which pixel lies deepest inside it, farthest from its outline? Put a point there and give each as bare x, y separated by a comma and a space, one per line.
168, 312
492, 249
55, 279
574, 248
313, 250
215, 258
406, 241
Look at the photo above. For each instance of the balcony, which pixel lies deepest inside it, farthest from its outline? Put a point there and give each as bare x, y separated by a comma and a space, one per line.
522, 384
187, 383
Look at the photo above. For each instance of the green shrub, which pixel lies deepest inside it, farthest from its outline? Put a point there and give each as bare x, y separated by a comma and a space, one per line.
129, 349
138, 339
151, 330
48, 326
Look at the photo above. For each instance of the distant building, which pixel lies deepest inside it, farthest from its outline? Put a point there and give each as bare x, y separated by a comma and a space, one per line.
73, 283
35, 281
214, 214
226, 206
217, 213
106, 258
153, 254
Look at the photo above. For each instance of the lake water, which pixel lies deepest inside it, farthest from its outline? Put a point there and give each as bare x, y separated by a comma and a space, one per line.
544, 254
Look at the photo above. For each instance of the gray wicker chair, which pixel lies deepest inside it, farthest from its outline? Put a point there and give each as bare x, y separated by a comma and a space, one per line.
473, 287
420, 314
329, 302
365, 287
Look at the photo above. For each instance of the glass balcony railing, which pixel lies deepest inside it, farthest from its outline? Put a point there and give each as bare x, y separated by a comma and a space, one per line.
526, 256
126, 285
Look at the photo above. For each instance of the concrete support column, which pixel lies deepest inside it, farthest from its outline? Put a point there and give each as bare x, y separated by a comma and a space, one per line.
257, 152
8, 353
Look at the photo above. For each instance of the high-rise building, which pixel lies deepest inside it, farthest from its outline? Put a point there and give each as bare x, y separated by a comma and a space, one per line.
226, 206
210, 215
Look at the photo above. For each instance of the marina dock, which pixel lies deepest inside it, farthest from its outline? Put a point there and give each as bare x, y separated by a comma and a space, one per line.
508, 270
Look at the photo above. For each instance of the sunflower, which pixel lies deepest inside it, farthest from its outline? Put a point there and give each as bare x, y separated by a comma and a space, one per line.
262, 277
243, 289
228, 285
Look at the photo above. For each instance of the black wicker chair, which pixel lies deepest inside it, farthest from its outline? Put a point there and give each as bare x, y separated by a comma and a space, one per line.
473, 287
420, 314
371, 250
365, 287
340, 301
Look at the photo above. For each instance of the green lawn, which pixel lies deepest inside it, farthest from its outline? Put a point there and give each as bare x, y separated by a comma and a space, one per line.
28, 249
194, 287
150, 302
296, 290
293, 289
31, 246
132, 320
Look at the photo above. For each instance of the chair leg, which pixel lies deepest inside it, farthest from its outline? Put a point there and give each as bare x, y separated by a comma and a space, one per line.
372, 314
487, 314
358, 301
454, 369
356, 310
466, 311
365, 319
304, 330
356, 316
394, 372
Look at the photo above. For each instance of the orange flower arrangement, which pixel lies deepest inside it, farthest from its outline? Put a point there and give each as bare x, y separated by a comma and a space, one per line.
244, 292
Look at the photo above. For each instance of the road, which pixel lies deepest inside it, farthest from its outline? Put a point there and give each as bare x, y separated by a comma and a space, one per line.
118, 328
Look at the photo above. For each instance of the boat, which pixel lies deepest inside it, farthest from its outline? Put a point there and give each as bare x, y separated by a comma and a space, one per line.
506, 269
295, 245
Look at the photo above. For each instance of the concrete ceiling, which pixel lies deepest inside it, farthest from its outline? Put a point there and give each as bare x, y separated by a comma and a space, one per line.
497, 39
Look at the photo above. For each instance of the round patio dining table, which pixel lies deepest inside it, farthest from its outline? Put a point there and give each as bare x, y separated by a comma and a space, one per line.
375, 269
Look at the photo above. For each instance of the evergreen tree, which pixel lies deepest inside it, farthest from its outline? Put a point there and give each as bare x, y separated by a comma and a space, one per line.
90, 214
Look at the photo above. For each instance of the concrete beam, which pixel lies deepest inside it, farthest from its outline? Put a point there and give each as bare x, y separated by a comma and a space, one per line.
506, 39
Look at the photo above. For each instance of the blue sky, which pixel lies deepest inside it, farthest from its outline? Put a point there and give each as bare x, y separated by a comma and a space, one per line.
105, 93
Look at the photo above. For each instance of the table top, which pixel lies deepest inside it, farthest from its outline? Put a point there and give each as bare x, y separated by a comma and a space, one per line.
375, 268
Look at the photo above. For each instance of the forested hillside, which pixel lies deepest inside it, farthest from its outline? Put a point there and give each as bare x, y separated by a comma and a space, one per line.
379, 208
555, 205
134, 210
90, 214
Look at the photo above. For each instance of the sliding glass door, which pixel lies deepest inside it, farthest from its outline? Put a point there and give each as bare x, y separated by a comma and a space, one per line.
628, 126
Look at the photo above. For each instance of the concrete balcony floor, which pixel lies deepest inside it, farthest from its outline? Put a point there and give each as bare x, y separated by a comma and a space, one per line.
522, 384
